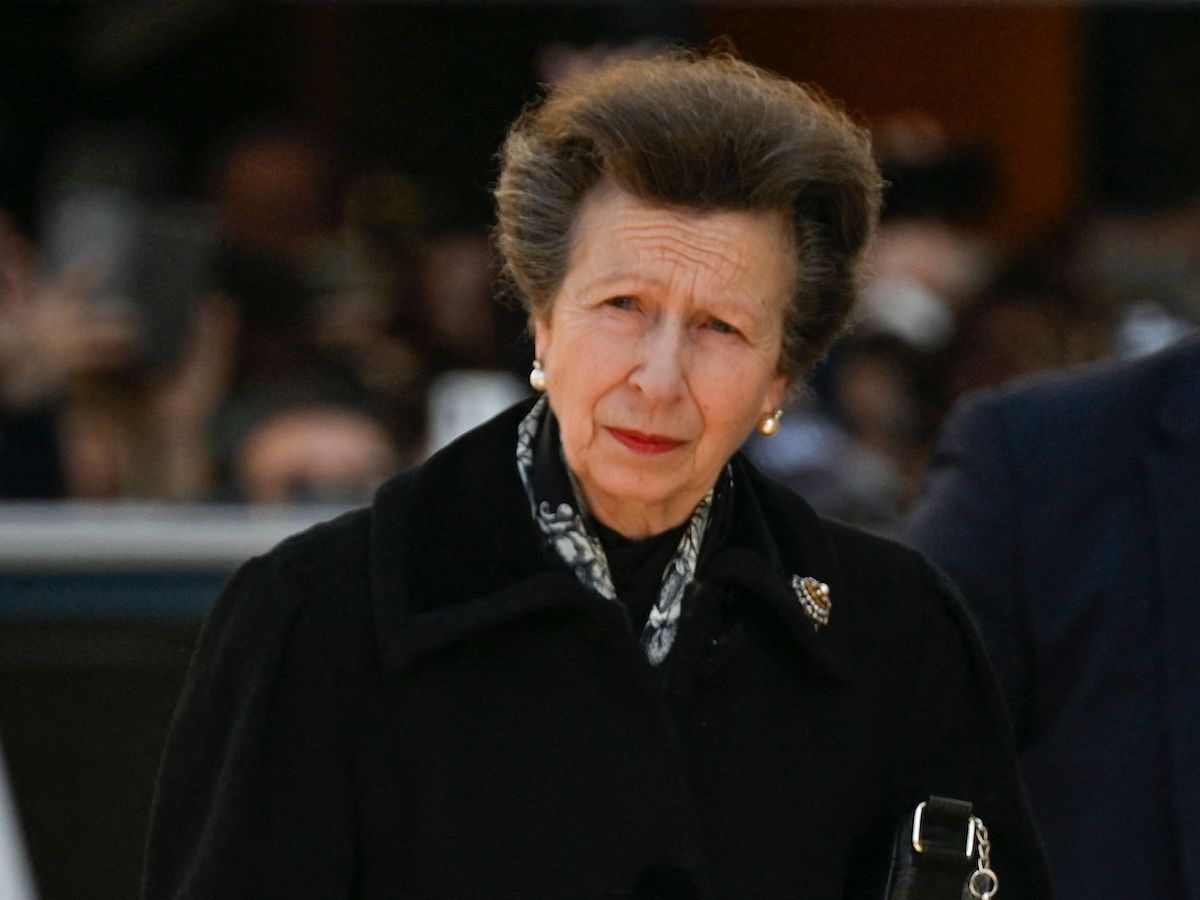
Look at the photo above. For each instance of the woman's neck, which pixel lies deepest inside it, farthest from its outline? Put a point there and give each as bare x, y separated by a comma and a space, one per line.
635, 520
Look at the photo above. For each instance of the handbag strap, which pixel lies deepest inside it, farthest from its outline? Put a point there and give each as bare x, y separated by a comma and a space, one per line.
942, 853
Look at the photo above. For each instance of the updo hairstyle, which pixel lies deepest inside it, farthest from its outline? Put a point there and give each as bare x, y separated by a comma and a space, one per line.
702, 132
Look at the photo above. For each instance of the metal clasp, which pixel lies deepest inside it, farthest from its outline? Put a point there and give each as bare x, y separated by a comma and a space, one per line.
916, 832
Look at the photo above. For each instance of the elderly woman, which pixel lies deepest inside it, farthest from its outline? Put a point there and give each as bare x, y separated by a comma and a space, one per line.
587, 650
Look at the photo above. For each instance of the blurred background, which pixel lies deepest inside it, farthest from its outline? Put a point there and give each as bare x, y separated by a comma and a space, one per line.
245, 275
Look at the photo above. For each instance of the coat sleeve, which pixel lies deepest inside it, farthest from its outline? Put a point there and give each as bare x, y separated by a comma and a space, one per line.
968, 521
958, 743
254, 797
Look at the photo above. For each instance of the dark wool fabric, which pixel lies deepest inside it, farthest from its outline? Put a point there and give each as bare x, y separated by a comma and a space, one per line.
419, 700
637, 567
1067, 506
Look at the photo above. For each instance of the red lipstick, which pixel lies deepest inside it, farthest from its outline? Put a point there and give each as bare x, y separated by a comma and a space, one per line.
640, 442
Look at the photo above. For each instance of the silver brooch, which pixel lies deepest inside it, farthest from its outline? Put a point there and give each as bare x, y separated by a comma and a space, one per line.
814, 599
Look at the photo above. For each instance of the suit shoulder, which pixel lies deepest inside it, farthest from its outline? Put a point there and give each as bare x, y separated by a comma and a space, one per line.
1070, 398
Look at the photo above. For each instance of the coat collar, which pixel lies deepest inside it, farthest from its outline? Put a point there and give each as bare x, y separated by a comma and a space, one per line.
454, 552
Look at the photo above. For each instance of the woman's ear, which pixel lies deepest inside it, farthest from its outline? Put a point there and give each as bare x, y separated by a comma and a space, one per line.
541, 338
776, 393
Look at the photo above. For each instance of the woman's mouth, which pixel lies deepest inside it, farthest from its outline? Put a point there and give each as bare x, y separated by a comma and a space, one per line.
640, 442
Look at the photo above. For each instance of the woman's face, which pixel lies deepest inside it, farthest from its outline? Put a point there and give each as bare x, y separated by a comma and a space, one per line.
661, 350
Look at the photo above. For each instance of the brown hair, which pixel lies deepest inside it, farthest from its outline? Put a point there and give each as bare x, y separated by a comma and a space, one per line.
702, 132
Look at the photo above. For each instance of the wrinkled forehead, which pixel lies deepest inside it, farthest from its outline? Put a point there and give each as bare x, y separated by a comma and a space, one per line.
616, 234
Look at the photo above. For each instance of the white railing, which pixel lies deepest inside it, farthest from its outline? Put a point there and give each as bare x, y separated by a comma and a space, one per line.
106, 537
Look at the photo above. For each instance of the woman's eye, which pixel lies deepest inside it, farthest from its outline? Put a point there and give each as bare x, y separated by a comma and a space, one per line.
620, 303
720, 327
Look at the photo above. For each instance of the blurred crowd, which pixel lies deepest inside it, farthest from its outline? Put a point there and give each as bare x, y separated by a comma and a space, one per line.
276, 342
946, 311
300, 331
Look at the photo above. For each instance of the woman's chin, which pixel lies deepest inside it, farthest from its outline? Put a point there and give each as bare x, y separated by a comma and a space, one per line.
632, 502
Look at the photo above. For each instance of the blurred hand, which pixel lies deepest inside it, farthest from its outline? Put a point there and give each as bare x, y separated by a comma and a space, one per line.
182, 405
187, 399
50, 331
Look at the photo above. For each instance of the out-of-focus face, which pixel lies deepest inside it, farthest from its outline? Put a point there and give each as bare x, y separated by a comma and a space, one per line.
662, 350
315, 453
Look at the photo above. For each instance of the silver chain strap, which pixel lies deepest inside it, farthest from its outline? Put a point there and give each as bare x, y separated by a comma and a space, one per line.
984, 883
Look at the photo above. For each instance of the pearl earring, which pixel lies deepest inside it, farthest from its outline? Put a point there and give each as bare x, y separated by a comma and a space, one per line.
537, 376
769, 424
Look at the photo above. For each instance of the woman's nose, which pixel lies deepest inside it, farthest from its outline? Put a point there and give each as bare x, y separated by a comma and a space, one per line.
660, 371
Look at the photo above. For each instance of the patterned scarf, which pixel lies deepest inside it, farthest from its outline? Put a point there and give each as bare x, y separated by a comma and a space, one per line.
562, 517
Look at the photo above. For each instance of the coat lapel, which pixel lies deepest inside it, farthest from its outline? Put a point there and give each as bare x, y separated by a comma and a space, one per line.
777, 536
454, 551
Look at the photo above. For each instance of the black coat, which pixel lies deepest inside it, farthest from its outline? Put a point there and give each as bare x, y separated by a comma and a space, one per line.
1068, 509
416, 700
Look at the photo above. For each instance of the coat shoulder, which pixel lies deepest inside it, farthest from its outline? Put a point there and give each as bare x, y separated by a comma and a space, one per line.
899, 588
328, 558
1071, 401
319, 575
892, 589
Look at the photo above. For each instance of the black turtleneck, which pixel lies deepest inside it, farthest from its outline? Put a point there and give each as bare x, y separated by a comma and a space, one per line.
637, 567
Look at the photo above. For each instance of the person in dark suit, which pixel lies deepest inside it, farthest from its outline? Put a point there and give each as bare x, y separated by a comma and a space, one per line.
587, 650
1067, 508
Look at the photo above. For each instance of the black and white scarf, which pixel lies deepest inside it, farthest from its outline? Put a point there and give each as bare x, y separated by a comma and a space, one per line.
562, 517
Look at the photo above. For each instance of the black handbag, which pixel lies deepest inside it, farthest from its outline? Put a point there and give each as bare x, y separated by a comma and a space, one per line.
942, 853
